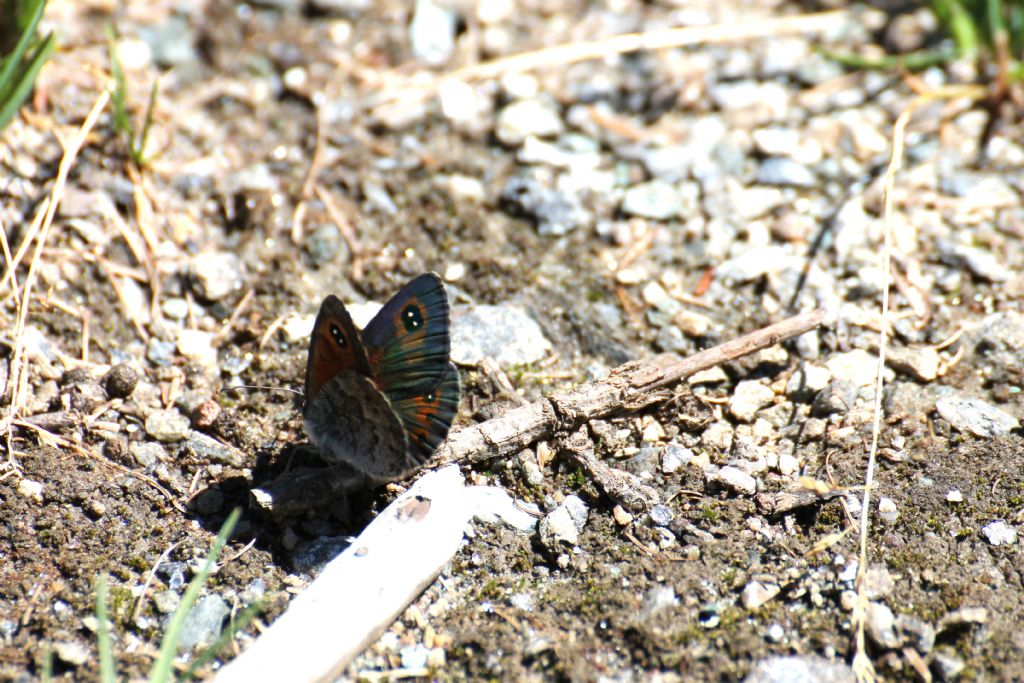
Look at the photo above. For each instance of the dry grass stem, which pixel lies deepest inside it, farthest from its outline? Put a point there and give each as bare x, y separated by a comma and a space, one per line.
309, 183
862, 666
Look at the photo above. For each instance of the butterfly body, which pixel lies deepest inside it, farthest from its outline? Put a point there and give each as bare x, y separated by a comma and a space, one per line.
383, 399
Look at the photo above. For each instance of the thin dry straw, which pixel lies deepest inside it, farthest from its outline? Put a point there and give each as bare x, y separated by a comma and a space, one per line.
863, 669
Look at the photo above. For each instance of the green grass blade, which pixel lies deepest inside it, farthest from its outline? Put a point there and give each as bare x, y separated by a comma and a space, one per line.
162, 669
26, 79
118, 97
35, 11
139, 151
103, 646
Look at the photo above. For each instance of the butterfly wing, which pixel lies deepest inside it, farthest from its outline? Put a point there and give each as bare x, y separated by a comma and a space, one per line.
407, 342
351, 422
334, 347
427, 416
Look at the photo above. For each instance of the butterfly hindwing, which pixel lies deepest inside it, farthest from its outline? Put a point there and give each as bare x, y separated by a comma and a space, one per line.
427, 415
407, 342
334, 347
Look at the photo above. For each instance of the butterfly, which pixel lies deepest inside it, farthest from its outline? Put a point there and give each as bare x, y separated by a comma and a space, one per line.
383, 399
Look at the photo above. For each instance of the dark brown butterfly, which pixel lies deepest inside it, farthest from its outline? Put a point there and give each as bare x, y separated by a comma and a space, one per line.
383, 399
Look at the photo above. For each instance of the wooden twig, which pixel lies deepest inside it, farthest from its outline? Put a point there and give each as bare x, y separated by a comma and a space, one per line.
628, 388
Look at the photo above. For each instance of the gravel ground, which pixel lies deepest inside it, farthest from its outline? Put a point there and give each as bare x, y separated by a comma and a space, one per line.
583, 214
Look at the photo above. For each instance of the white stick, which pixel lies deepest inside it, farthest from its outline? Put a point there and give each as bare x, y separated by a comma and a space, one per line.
363, 590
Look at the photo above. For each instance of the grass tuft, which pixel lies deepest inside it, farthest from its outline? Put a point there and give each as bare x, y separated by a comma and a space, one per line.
18, 69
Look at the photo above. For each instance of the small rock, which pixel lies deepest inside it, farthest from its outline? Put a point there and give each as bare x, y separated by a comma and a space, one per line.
175, 308
837, 398
737, 480
947, 666
656, 199
33, 490
785, 172
661, 515
414, 656
215, 275
207, 502
800, 668
556, 212
167, 426
887, 509
578, 510
120, 381
857, 367
432, 32
160, 352
717, 436
674, 457
954, 496
208, 449
806, 382
534, 116
964, 616
920, 363
755, 594
147, 453
203, 623
881, 626
505, 334
788, 464
205, 414
621, 516
658, 599
920, 634
557, 528
71, 652
670, 338
749, 397
999, 533
975, 416
756, 262
197, 345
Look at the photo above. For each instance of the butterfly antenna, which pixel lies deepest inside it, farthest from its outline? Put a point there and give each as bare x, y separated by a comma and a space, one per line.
260, 386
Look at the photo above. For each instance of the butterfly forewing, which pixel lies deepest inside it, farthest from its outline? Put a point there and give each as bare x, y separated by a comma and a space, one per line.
407, 342
427, 416
334, 347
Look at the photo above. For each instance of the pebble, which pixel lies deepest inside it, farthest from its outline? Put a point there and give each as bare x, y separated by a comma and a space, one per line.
160, 352
215, 274
806, 382
1000, 339
621, 516
975, 416
717, 436
982, 263
800, 668
204, 621
920, 634
71, 652
837, 398
658, 599
534, 116
414, 656
175, 308
737, 480
432, 32
881, 626
556, 212
505, 334
33, 490
671, 339
785, 172
167, 426
756, 262
887, 509
947, 666
661, 515
755, 594
920, 363
208, 449
557, 528
656, 199
749, 397
197, 346
147, 453
954, 496
120, 381
858, 367
675, 457
999, 533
